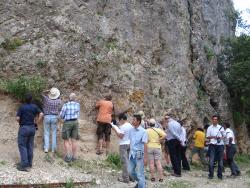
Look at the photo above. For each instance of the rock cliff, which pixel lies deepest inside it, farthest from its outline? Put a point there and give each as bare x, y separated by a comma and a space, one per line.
151, 55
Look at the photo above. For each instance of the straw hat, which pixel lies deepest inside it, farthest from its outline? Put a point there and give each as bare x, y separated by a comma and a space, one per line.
152, 121
54, 93
141, 113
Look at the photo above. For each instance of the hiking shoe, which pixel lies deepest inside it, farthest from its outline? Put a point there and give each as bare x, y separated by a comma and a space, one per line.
24, 169
99, 152
74, 159
176, 175
120, 179
67, 159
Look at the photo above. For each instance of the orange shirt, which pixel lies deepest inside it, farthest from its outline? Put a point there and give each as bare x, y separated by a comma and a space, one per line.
105, 111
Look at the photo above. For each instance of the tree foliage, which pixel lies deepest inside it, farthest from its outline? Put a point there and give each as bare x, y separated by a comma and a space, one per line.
238, 77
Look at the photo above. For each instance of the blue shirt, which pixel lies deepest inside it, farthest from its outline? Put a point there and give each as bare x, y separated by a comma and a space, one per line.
70, 110
27, 114
138, 137
174, 130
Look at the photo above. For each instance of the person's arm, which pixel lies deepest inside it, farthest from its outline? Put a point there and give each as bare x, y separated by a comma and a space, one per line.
62, 113
18, 119
40, 116
118, 131
209, 136
145, 154
162, 135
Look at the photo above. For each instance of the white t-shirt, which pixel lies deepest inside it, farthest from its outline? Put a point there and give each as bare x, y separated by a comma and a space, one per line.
217, 131
229, 134
183, 136
125, 128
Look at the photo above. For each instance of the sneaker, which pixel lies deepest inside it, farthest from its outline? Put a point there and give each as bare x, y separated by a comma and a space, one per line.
220, 178
238, 173
210, 177
46, 150
120, 179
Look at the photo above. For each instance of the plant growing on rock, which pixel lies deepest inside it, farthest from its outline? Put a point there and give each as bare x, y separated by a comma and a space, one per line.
12, 44
24, 84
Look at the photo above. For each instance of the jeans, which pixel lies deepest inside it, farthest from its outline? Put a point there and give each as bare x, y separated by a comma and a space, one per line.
216, 154
231, 151
25, 141
50, 122
174, 148
184, 161
124, 152
201, 154
136, 170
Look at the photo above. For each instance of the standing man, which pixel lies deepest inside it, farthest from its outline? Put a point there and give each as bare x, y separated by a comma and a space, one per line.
215, 134
231, 150
123, 133
199, 144
51, 109
138, 151
174, 144
70, 114
105, 109
184, 161
26, 115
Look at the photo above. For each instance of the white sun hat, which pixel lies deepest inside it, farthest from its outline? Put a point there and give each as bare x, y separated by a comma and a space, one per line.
54, 93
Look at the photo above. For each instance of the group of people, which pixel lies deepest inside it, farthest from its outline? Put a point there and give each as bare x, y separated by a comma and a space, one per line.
29, 115
140, 143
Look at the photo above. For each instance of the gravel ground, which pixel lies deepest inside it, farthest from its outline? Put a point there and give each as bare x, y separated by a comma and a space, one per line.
48, 169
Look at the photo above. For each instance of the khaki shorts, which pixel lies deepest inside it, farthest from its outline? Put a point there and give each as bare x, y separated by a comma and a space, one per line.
70, 130
154, 153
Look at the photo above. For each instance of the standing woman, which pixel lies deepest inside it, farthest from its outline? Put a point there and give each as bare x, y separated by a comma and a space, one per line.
51, 109
26, 118
155, 136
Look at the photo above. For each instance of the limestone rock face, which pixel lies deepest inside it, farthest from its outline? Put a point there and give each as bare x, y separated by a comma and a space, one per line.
151, 55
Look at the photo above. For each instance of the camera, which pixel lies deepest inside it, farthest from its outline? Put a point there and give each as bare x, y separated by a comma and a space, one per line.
218, 140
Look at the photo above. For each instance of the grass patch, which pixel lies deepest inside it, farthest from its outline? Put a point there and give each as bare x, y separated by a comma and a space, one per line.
243, 159
113, 160
11, 45
196, 166
87, 166
48, 159
180, 184
248, 173
2, 163
22, 85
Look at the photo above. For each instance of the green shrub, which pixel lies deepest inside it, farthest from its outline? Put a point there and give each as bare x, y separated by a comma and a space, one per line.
209, 52
114, 161
243, 159
69, 183
22, 85
12, 44
41, 63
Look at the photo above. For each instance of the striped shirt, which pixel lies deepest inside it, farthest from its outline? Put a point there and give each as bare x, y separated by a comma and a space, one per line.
51, 106
70, 110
